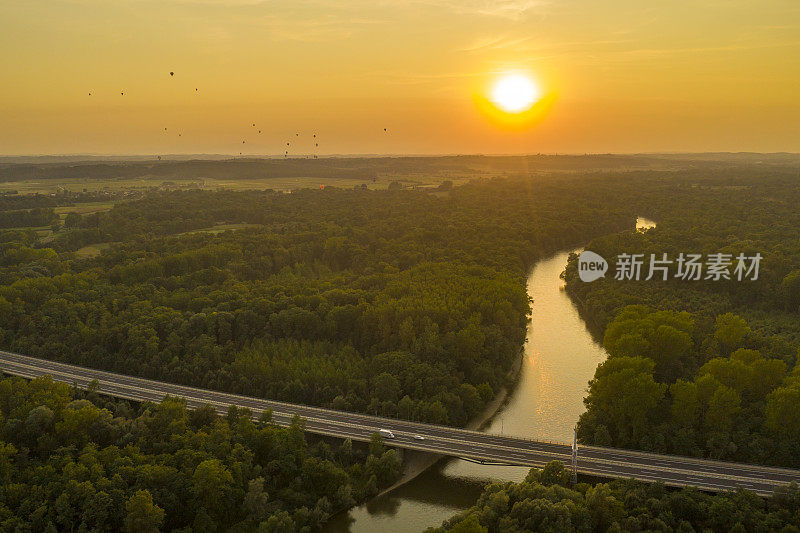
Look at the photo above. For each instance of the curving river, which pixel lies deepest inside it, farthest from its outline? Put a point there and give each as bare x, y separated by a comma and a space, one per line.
560, 358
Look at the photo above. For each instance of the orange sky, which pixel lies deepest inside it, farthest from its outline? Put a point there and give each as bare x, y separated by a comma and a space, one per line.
623, 75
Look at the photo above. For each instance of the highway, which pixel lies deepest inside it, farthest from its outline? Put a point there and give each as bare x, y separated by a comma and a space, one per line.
473, 445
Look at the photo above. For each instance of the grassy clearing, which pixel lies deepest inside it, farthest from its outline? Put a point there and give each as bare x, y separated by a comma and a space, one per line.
93, 250
47, 186
41, 231
219, 228
84, 208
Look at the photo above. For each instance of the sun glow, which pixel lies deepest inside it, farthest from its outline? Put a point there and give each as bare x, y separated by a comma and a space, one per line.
514, 93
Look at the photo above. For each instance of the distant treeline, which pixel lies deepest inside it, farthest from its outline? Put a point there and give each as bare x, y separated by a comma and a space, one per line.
27, 218
16, 202
368, 167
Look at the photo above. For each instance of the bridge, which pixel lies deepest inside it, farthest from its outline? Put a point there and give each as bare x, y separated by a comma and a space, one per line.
475, 446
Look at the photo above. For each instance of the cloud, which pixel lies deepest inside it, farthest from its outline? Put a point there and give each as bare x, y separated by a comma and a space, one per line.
494, 43
541, 49
509, 9
709, 49
498, 8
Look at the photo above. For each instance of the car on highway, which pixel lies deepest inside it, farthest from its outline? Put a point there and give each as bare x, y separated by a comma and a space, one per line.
386, 434
419, 437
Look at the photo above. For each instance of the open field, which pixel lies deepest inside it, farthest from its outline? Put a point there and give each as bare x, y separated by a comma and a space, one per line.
49, 186
84, 208
92, 250
219, 228
42, 231
377, 172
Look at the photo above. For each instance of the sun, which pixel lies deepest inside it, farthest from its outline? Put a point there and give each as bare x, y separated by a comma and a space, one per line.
514, 93
514, 99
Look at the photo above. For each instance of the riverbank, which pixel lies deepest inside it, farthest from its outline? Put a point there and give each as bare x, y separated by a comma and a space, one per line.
416, 462
543, 401
595, 324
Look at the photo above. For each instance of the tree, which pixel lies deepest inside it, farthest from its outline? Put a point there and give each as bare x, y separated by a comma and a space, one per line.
554, 473
406, 408
624, 391
723, 407
730, 330
256, 500
468, 524
212, 485
387, 387
791, 288
672, 352
686, 406
7, 451
142, 515
279, 522
376, 446
781, 411
603, 507
663, 336
72, 220
385, 468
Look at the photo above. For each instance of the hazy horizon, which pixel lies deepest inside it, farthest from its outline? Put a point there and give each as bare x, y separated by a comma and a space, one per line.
193, 76
354, 155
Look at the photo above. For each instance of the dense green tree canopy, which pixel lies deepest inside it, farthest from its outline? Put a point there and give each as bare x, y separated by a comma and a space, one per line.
723, 353
90, 464
544, 501
399, 303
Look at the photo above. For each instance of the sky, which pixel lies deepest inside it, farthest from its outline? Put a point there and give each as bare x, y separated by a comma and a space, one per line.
616, 76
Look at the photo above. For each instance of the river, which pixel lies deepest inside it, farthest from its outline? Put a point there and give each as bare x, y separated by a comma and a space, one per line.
559, 359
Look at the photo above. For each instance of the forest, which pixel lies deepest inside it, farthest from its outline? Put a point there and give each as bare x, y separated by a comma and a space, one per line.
399, 303
27, 217
701, 368
547, 502
72, 461
362, 168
